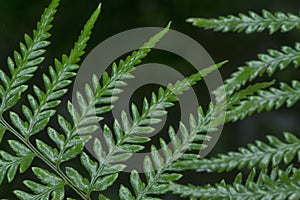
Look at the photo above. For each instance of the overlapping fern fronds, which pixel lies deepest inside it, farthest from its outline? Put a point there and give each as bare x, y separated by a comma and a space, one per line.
118, 143
241, 103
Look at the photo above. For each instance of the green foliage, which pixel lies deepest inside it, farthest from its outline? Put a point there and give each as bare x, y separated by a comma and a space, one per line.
250, 23
270, 99
267, 63
93, 176
262, 154
24, 64
278, 185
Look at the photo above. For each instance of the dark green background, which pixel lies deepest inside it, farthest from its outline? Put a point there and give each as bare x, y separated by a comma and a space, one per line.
20, 16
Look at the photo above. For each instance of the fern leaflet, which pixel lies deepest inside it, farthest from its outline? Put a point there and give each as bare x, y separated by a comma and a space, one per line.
252, 23
24, 64
260, 153
278, 185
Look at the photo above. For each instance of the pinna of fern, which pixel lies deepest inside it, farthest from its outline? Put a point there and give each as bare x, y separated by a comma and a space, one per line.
260, 154
276, 185
25, 63
22, 69
250, 23
268, 62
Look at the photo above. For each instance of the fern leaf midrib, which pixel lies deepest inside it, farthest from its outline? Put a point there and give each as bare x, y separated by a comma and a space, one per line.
267, 21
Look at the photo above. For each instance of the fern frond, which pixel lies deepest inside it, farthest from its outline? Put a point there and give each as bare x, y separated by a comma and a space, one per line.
9, 164
54, 187
70, 144
262, 154
266, 63
279, 185
270, 99
97, 103
42, 106
250, 23
183, 147
25, 63
130, 135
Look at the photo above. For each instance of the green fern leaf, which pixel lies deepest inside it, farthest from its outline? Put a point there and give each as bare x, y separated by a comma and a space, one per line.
53, 187
129, 136
10, 164
267, 63
266, 99
183, 147
24, 64
84, 120
70, 144
250, 23
42, 107
280, 186
260, 153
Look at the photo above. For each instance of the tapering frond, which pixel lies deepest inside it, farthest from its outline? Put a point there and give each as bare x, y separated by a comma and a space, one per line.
250, 23
266, 63
42, 106
97, 102
279, 185
270, 99
129, 135
70, 144
262, 154
23, 65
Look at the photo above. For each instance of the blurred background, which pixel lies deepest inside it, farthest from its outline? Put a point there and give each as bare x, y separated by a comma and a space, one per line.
20, 16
